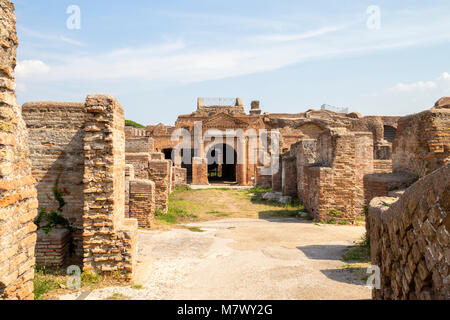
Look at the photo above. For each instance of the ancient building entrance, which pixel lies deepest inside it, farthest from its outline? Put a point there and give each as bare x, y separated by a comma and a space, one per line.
222, 161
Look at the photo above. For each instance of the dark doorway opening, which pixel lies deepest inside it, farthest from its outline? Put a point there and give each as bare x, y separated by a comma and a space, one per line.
186, 162
167, 154
222, 160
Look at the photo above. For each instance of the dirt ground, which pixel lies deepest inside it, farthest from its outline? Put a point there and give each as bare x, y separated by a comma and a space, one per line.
257, 256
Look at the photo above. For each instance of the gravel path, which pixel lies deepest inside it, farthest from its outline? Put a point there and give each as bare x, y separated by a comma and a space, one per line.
244, 259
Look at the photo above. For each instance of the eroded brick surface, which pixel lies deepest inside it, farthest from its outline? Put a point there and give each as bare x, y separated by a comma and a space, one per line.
18, 201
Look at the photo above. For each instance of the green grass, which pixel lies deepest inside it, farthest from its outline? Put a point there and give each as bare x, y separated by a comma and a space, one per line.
359, 253
43, 284
134, 124
173, 216
137, 286
89, 278
117, 296
195, 229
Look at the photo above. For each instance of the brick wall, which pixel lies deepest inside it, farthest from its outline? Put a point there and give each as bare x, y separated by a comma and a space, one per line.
305, 153
382, 166
139, 144
333, 186
422, 143
57, 154
53, 250
289, 175
179, 177
109, 240
199, 171
18, 201
160, 173
410, 240
263, 180
142, 202
140, 163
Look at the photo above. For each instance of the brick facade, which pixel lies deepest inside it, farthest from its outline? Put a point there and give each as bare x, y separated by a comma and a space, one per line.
18, 197
142, 202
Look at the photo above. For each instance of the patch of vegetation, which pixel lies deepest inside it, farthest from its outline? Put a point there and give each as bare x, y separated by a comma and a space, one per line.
335, 213
46, 280
386, 204
195, 229
89, 278
54, 218
131, 123
329, 221
173, 216
117, 296
343, 222
359, 253
137, 287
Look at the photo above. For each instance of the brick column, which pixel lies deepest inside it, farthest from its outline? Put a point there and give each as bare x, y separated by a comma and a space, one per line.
142, 202
109, 240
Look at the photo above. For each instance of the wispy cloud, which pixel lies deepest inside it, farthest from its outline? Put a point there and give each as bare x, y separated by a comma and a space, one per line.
441, 83
50, 37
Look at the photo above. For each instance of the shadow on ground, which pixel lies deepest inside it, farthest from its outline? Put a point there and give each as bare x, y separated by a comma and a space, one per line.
324, 252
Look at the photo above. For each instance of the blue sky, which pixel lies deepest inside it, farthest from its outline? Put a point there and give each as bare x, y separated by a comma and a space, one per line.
157, 57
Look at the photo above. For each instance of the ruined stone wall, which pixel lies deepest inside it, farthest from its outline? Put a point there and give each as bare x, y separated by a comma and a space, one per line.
305, 154
382, 166
422, 143
142, 202
139, 161
277, 178
199, 171
129, 175
179, 177
333, 186
160, 173
109, 240
410, 240
139, 145
289, 175
53, 250
57, 154
263, 180
18, 202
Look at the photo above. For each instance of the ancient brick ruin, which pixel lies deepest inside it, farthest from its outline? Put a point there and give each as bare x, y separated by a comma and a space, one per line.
409, 230
114, 178
18, 201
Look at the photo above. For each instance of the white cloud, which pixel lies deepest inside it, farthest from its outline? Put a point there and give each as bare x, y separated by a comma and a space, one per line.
300, 36
30, 68
72, 41
443, 82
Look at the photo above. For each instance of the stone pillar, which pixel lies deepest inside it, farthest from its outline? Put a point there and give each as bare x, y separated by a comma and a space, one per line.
159, 172
18, 195
199, 171
109, 240
241, 165
142, 202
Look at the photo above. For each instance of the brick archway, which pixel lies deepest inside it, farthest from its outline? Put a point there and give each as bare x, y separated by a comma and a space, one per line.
222, 163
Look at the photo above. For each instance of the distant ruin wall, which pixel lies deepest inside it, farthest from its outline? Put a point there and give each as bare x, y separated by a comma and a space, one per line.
289, 175
57, 154
160, 173
422, 144
179, 177
139, 144
410, 240
18, 197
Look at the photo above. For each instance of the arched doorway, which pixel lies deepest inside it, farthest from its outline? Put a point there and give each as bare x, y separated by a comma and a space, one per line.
222, 160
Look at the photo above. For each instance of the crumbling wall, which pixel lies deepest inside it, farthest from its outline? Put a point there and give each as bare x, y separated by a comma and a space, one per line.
18, 202
179, 177
57, 154
142, 202
139, 144
289, 174
139, 161
305, 154
160, 173
333, 186
410, 240
422, 143
109, 240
